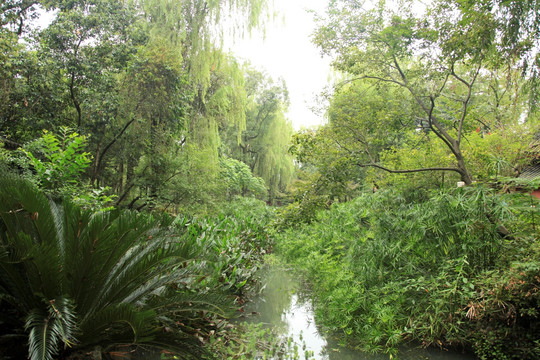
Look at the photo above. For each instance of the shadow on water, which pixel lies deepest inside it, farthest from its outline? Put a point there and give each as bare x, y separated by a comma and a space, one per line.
281, 307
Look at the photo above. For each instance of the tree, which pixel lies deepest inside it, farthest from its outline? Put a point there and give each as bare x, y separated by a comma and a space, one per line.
511, 27
240, 180
14, 13
428, 60
144, 80
263, 143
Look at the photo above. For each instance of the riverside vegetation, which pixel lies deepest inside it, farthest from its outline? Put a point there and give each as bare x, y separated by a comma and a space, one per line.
145, 174
387, 269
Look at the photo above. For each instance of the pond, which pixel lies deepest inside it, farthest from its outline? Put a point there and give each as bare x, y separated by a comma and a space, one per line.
283, 308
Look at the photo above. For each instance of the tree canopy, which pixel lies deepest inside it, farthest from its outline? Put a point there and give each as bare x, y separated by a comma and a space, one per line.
147, 85
442, 83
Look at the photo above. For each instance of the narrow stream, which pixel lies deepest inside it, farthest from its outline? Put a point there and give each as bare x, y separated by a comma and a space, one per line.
283, 308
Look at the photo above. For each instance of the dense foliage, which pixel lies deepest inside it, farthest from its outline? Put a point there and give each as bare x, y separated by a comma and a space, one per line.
75, 280
429, 95
388, 268
114, 114
155, 101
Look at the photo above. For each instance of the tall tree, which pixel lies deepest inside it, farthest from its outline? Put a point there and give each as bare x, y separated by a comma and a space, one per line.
145, 80
511, 27
263, 144
437, 68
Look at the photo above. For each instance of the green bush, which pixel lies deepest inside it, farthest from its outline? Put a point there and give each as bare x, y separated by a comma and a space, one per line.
240, 180
389, 270
56, 164
59, 160
233, 248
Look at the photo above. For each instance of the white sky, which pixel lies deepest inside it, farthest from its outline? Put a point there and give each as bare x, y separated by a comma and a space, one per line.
287, 52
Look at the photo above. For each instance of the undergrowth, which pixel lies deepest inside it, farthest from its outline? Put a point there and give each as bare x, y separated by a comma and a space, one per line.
460, 269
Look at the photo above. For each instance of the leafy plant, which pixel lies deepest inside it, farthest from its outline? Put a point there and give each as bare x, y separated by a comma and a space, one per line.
64, 158
75, 280
233, 248
434, 270
240, 180
248, 341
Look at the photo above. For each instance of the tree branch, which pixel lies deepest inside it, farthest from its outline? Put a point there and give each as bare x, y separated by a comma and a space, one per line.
114, 140
408, 171
467, 99
72, 86
123, 196
371, 77
438, 130
75, 101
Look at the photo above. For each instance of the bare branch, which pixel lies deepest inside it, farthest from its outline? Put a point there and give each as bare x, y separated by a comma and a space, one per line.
467, 100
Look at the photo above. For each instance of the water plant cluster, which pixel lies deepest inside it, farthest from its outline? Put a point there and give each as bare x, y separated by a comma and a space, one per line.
453, 268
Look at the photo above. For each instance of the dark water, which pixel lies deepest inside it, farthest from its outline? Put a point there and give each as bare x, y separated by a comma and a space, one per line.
281, 306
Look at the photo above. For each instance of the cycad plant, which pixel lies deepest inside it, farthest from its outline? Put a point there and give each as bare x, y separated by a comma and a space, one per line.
75, 280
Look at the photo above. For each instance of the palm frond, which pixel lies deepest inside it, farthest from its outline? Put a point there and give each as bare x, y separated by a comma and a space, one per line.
48, 327
187, 302
118, 324
104, 278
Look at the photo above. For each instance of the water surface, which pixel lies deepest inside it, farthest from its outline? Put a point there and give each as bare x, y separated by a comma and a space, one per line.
283, 307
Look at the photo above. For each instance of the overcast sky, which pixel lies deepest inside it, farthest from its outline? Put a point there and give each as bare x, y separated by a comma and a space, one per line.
287, 52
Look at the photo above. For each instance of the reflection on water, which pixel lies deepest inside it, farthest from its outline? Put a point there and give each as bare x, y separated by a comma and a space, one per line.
281, 307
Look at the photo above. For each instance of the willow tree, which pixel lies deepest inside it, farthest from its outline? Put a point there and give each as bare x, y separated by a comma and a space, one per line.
154, 94
199, 28
263, 143
272, 161
145, 79
196, 29
223, 104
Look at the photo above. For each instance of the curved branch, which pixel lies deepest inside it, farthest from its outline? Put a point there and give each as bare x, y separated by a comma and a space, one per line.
438, 129
408, 171
72, 86
466, 101
75, 101
370, 77
114, 140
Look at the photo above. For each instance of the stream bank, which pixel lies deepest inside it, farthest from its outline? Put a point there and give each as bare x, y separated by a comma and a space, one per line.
285, 308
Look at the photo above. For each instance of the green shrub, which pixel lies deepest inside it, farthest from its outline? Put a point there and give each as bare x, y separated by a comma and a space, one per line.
387, 270
59, 160
232, 248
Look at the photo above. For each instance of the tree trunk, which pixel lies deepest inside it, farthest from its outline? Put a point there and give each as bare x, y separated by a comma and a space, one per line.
97, 162
465, 174
121, 180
